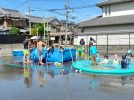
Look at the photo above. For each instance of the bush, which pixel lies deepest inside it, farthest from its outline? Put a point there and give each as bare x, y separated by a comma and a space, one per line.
14, 30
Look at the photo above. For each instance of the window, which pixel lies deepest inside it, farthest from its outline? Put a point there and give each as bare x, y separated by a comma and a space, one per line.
82, 30
105, 10
109, 10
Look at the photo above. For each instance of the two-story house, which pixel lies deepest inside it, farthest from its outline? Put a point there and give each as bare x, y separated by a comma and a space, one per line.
11, 18
117, 20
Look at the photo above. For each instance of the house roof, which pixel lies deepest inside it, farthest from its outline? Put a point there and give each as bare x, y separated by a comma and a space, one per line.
102, 21
111, 2
50, 19
36, 19
11, 13
3, 28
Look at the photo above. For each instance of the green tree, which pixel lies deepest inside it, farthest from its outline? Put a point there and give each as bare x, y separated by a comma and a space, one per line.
14, 30
38, 29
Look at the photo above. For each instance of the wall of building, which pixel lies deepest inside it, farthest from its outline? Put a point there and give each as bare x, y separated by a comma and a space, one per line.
117, 44
118, 9
112, 39
105, 29
16, 23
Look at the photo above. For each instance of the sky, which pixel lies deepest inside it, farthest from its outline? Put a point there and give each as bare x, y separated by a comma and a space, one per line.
38, 6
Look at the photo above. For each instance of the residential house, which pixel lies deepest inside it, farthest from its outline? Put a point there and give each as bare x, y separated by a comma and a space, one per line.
11, 18
55, 29
115, 24
58, 30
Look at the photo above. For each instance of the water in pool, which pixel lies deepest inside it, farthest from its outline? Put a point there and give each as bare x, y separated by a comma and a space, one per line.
57, 83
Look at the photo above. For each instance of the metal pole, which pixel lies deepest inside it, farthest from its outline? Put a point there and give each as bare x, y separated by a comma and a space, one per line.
37, 31
107, 44
67, 12
96, 40
19, 4
47, 34
44, 25
129, 41
28, 4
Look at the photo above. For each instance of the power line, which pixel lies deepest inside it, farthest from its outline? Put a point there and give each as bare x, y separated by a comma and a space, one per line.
22, 4
79, 7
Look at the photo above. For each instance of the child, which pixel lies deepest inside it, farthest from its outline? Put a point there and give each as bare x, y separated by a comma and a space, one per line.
92, 53
115, 60
105, 61
98, 59
61, 48
26, 56
123, 62
128, 58
129, 52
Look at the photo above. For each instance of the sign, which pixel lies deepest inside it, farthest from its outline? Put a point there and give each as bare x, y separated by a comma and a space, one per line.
52, 38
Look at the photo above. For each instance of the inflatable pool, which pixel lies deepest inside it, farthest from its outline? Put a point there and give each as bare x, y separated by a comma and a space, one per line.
62, 56
86, 66
17, 53
55, 55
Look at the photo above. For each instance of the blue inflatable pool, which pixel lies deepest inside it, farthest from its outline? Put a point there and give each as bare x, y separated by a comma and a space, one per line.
53, 56
17, 53
86, 66
61, 56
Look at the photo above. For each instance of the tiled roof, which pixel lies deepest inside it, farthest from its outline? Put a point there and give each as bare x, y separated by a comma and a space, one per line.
36, 19
110, 2
102, 21
49, 19
11, 13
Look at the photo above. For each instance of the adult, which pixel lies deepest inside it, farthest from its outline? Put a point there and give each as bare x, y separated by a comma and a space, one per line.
82, 42
92, 40
25, 43
40, 48
26, 51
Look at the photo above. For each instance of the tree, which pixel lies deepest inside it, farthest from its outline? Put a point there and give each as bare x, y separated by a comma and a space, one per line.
14, 30
38, 30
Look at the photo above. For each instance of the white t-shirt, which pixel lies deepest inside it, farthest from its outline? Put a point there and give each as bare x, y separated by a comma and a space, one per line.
116, 61
105, 61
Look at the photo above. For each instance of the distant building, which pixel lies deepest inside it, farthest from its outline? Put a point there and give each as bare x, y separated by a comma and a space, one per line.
117, 18
54, 27
11, 18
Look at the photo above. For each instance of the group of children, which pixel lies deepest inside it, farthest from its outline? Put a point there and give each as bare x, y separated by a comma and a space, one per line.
40, 46
125, 61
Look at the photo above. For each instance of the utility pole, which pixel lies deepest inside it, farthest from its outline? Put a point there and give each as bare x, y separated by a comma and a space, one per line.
29, 15
19, 5
44, 25
67, 12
